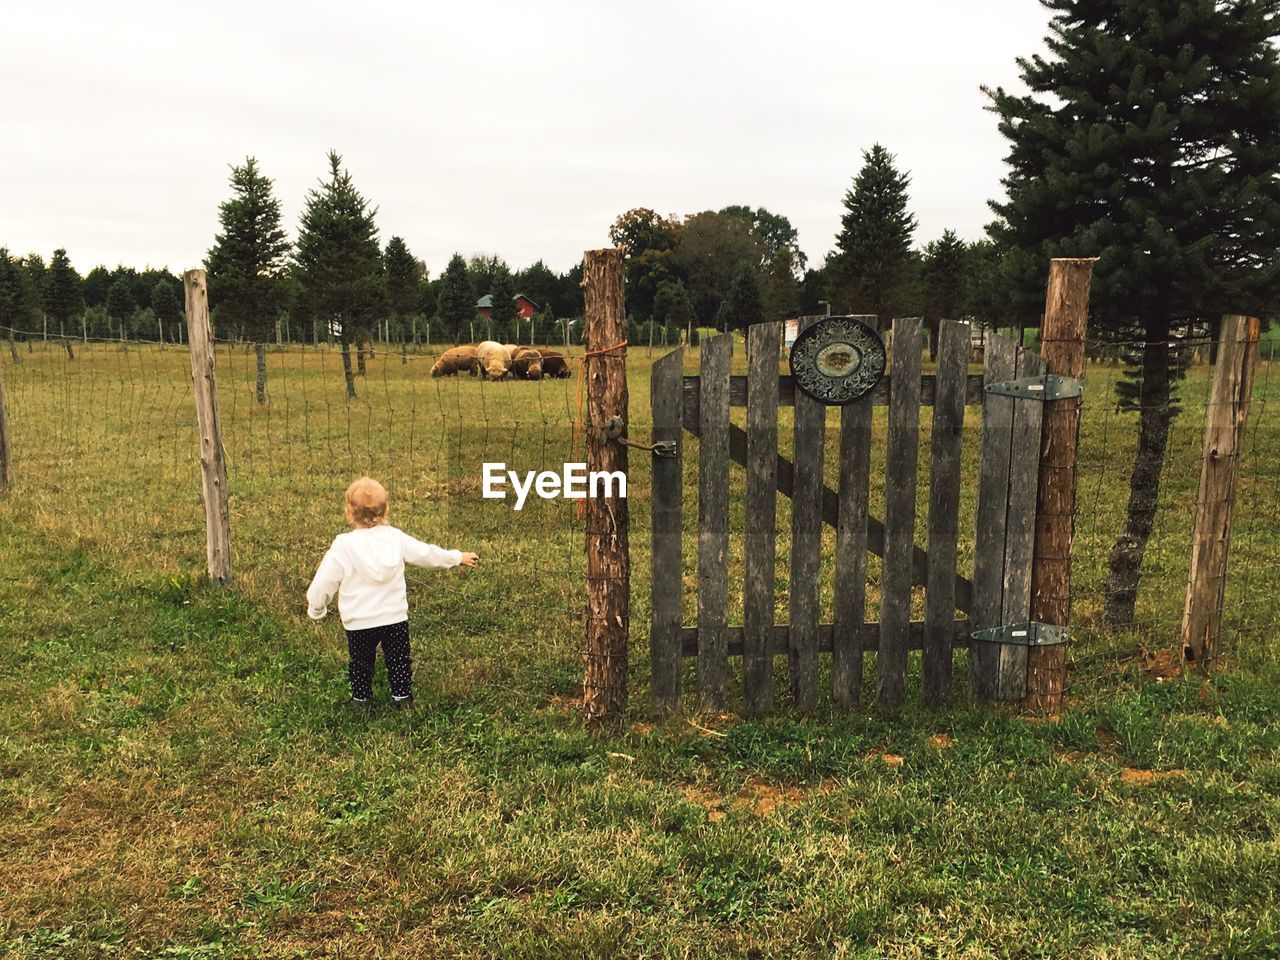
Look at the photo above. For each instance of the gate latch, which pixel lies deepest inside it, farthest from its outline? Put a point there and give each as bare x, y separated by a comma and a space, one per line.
1047, 386
614, 428
1028, 633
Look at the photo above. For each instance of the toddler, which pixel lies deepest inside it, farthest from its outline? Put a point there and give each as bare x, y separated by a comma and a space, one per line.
365, 568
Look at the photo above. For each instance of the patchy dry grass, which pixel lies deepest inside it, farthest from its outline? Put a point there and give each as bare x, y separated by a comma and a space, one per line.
178, 778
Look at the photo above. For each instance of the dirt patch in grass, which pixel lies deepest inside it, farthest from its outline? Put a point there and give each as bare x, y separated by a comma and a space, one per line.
888, 759
1137, 777
1161, 664
756, 797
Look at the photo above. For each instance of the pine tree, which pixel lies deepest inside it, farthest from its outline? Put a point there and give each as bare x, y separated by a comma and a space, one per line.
96, 283
457, 299
1150, 138
10, 298
404, 273
874, 244
502, 296
120, 305
63, 295
34, 277
745, 306
945, 270
339, 260
674, 305
246, 263
165, 305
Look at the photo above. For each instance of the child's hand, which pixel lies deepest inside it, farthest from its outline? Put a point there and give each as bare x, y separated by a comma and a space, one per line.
469, 559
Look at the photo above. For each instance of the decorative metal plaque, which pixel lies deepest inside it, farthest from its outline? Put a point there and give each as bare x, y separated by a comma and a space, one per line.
838, 360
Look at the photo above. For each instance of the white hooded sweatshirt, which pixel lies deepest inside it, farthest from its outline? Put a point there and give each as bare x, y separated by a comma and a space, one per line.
365, 568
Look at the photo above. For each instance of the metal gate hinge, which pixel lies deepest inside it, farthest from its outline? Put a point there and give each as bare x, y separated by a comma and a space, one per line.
1047, 386
1028, 633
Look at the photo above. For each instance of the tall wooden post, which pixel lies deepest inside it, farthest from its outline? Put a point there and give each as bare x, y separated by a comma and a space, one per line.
4, 438
1223, 439
213, 462
1066, 316
604, 655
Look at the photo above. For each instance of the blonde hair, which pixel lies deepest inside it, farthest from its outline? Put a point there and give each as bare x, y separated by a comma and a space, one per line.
366, 502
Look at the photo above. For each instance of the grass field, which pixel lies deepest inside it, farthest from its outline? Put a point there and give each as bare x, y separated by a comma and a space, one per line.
180, 779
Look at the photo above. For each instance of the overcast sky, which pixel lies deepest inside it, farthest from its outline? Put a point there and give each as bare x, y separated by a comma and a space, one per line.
520, 129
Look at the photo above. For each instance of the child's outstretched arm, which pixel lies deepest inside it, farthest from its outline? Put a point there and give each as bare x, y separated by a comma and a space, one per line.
428, 555
324, 586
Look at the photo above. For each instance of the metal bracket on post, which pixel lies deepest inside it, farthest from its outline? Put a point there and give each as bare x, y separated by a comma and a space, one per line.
614, 428
1047, 386
1027, 633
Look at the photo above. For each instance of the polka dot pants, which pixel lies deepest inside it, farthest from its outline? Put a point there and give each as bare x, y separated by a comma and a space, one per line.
363, 648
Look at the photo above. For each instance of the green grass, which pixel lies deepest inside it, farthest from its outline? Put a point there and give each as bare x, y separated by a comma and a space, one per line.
178, 778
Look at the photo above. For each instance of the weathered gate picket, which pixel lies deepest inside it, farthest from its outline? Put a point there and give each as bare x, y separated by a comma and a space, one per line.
998, 594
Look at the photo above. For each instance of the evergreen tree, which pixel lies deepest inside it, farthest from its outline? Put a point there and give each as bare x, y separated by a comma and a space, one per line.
339, 260
10, 296
721, 319
874, 244
674, 305
120, 305
945, 270
246, 263
165, 304
404, 274
96, 283
34, 278
744, 306
457, 299
502, 297
426, 299
63, 295
1150, 138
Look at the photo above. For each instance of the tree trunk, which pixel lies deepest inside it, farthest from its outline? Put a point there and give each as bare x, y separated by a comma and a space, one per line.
935, 325
1154, 418
360, 361
261, 350
346, 368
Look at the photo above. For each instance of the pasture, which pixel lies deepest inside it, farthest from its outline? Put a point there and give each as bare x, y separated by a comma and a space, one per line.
181, 779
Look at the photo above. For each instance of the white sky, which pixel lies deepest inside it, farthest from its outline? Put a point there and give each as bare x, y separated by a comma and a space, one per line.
521, 129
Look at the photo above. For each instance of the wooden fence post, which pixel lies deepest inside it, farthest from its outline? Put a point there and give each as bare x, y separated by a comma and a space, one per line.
666, 582
213, 461
1223, 439
1066, 316
4, 438
604, 684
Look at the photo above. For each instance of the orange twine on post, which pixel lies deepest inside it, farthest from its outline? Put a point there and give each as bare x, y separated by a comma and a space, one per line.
580, 426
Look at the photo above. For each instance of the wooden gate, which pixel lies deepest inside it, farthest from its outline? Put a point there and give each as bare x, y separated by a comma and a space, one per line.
954, 606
